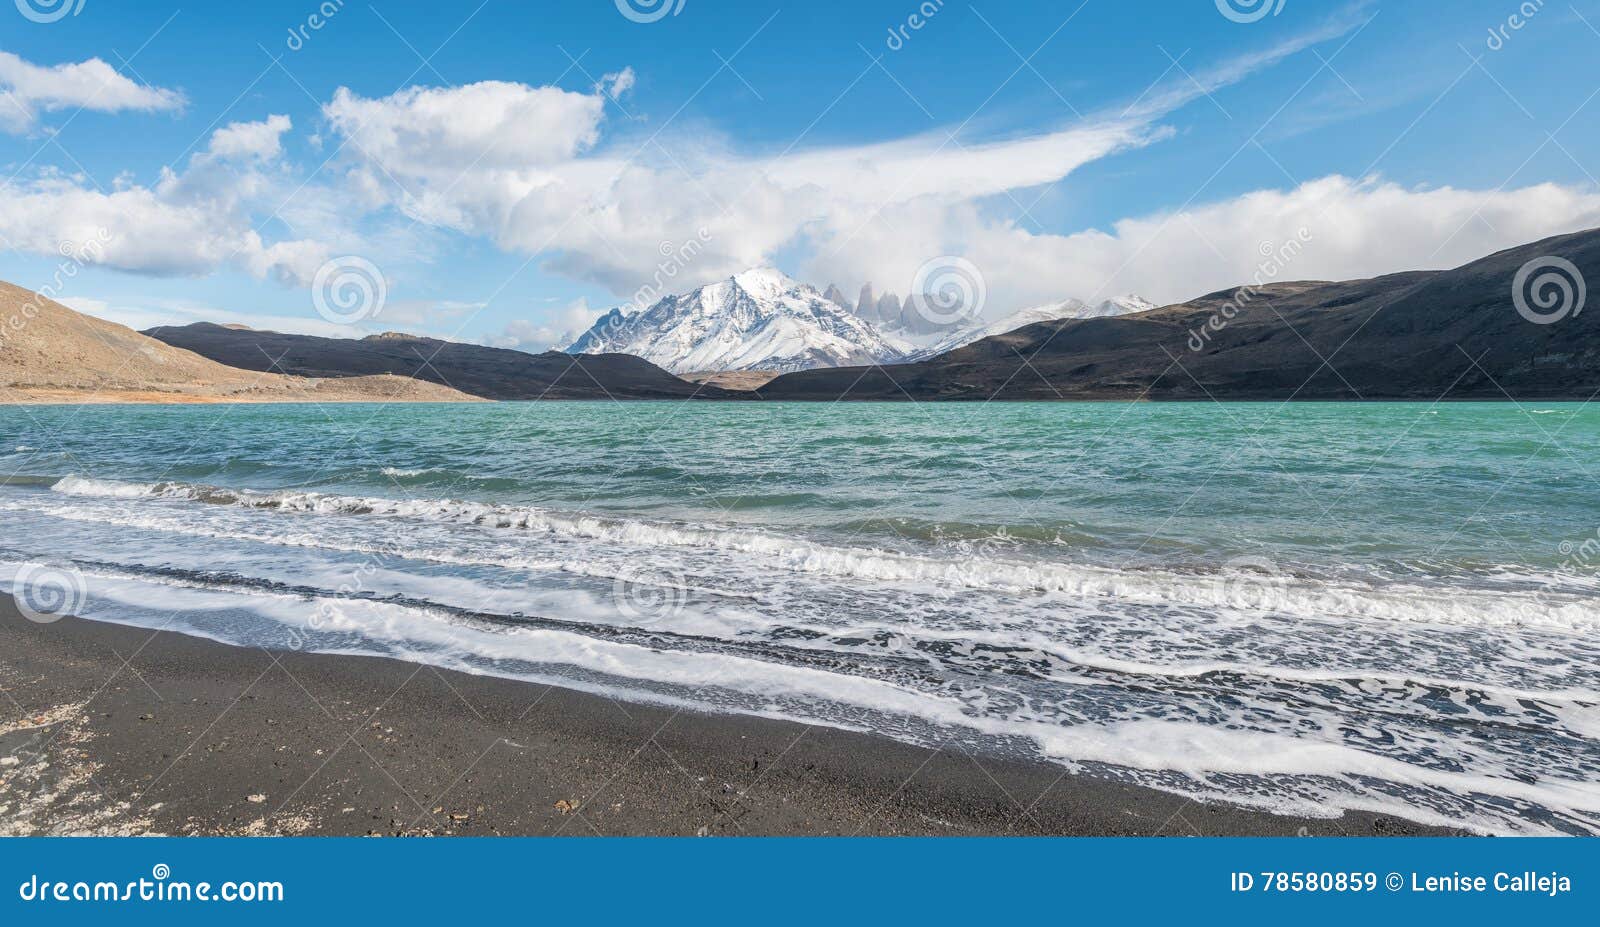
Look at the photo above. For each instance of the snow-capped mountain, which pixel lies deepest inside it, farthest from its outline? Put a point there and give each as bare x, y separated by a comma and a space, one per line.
1066, 309
757, 320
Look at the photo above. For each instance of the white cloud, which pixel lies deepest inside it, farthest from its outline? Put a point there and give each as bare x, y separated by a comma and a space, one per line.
615, 85
508, 162
1355, 228
531, 170
31, 89
262, 140
524, 167
187, 224
488, 125
535, 337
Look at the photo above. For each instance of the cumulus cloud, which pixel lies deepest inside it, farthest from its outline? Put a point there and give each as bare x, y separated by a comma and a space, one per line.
538, 171
263, 140
187, 224
30, 89
528, 169
1350, 229
511, 163
561, 328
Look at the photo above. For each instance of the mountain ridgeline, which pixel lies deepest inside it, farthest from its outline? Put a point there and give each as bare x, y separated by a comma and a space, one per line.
50, 353
1511, 325
488, 373
762, 320
1508, 326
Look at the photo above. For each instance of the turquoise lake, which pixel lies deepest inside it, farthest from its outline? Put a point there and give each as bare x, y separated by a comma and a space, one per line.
1305, 607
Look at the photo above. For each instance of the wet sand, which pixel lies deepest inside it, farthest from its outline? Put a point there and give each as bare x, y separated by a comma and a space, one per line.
119, 730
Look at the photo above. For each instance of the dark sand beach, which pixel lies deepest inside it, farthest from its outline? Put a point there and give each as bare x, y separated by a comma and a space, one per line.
120, 730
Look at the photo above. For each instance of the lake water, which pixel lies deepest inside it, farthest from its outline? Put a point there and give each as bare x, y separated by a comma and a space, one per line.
1305, 608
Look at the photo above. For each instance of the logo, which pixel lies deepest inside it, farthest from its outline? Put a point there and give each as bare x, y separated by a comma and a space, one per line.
47, 592
1548, 289
49, 11
649, 596
1250, 11
949, 290
1251, 583
349, 289
646, 11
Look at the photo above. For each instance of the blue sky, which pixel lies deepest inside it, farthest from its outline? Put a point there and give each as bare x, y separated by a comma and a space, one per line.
1064, 151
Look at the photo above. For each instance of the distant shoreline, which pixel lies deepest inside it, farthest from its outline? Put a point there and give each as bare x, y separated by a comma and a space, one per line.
32, 398
196, 737
146, 398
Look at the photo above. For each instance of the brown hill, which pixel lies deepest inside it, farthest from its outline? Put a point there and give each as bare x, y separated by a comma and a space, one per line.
737, 380
49, 353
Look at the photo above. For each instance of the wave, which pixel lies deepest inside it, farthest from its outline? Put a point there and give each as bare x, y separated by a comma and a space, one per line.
402, 473
1299, 773
1242, 587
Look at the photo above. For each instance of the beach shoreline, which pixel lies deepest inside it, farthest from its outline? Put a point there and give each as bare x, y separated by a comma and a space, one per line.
113, 729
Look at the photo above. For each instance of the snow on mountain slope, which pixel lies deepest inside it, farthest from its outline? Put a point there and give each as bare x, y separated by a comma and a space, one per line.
757, 320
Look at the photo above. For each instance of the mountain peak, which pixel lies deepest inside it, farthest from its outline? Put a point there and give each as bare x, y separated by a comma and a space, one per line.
763, 319
760, 319
764, 280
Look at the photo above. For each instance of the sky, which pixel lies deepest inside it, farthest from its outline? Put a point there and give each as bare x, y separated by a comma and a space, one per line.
503, 172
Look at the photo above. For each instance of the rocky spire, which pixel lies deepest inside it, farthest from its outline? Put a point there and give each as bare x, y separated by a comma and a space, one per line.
866, 308
888, 311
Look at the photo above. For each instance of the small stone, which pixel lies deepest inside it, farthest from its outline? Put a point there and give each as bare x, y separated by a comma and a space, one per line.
566, 807
256, 799
459, 817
